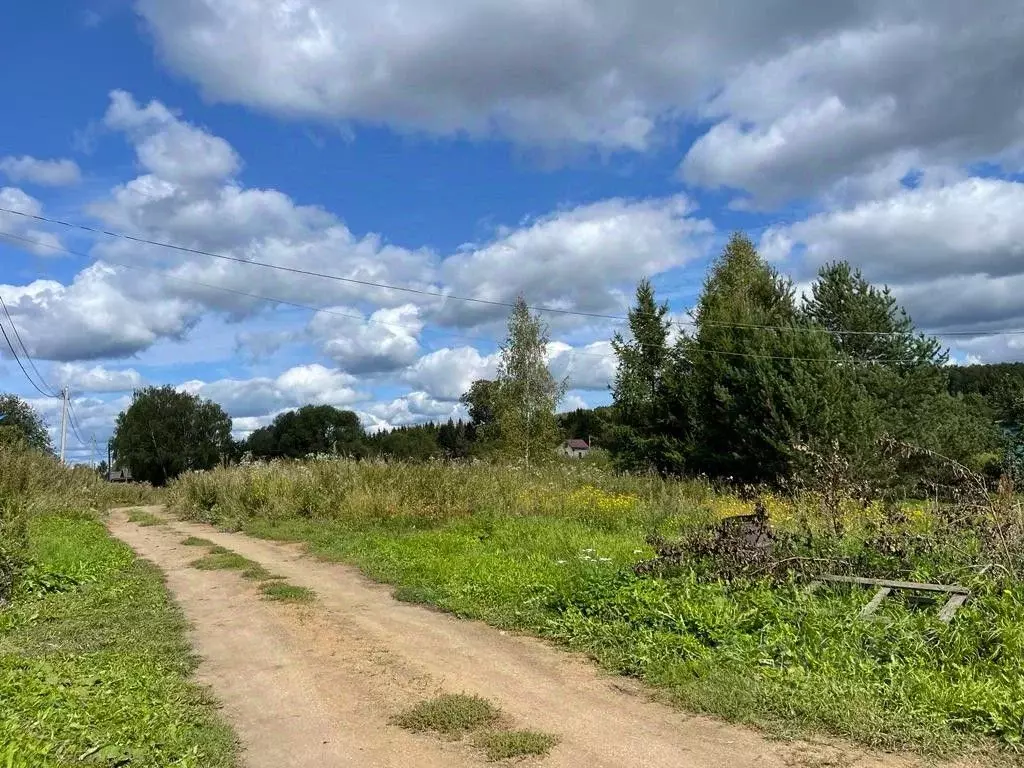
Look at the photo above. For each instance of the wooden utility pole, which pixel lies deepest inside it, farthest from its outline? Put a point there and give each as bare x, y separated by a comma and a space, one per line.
64, 394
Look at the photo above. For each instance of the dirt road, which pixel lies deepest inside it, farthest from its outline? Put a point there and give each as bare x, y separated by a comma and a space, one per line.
315, 686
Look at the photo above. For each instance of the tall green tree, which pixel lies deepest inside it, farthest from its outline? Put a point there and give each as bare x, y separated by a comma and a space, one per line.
757, 382
311, 429
481, 402
20, 422
902, 371
640, 438
165, 432
527, 394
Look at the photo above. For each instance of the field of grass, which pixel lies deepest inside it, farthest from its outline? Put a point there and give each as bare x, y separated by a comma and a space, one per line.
94, 665
551, 552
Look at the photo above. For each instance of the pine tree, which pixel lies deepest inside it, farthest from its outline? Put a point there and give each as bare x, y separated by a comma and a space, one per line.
526, 394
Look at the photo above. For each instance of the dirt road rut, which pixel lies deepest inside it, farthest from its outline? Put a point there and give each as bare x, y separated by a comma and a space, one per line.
315, 686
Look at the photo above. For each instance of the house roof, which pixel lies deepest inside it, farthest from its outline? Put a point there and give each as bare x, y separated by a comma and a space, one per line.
577, 444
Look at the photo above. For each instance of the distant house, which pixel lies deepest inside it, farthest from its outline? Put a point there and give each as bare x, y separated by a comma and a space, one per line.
575, 448
119, 475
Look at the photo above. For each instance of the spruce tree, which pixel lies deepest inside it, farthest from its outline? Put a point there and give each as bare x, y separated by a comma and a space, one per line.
637, 393
759, 383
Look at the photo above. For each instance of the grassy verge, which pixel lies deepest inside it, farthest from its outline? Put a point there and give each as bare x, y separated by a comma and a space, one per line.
553, 555
94, 665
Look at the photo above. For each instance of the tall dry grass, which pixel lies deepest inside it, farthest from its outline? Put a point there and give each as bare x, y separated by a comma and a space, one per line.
428, 492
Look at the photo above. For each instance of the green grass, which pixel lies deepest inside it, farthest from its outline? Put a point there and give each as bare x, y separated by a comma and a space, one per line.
286, 593
551, 553
452, 715
257, 572
144, 517
94, 665
504, 745
222, 561
194, 541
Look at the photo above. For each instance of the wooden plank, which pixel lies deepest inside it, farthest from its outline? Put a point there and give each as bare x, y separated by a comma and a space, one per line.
876, 601
950, 608
912, 585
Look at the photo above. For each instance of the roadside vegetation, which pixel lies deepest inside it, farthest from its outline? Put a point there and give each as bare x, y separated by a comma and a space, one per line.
555, 551
94, 666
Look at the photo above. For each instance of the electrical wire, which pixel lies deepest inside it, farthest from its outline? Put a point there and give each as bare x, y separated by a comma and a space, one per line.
259, 297
73, 418
306, 272
24, 349
681, 326
453, 297
21, 365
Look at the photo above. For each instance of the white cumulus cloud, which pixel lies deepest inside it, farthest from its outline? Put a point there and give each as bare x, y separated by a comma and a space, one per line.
47, 173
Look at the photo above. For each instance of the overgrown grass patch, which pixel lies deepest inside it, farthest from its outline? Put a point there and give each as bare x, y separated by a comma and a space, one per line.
95, 670
505, 745
286, 593
222, 561
257, 572
452, 715
195, 541
144, 517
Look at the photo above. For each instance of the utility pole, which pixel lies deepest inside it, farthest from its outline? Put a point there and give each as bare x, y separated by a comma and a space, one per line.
63, 422
94, 463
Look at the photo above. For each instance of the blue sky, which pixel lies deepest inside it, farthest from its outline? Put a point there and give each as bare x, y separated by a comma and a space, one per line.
479, 149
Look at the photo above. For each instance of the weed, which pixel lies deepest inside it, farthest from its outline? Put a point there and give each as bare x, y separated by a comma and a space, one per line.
194, 541
144, 517
257, 572
222, 561
286, 593
452, 715
503, 745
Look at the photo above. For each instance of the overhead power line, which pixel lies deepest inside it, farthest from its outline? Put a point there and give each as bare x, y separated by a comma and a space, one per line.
246, 294
329, 311
17, 359
449, 296
306, 272
74, 419
24, 349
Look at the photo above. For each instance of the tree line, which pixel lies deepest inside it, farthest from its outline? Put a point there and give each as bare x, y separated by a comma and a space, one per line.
757, 387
